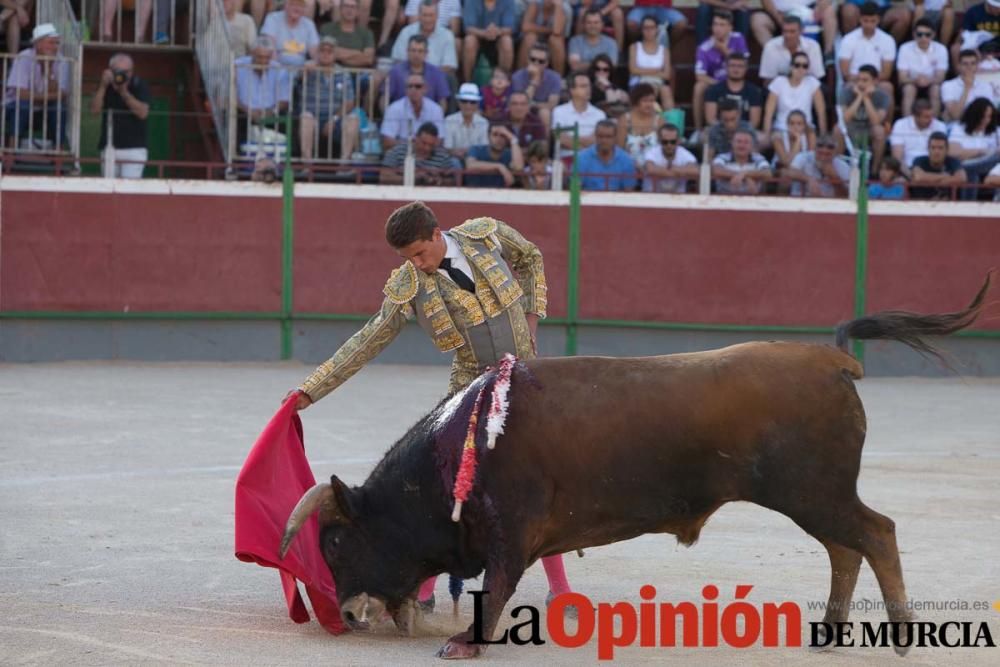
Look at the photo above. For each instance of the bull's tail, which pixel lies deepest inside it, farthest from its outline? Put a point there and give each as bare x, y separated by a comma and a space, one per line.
913, 328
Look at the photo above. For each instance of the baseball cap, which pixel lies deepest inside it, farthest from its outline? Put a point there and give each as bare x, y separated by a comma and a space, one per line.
43, 30
470, 92
328, 40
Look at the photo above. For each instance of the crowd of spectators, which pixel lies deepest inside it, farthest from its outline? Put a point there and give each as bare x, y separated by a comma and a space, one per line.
489, 92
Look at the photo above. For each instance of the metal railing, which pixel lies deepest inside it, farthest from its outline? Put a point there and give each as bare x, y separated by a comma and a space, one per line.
215, 61
159, 22
41, 104
328, 125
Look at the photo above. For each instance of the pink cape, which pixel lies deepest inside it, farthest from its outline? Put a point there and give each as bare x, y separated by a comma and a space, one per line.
274, 477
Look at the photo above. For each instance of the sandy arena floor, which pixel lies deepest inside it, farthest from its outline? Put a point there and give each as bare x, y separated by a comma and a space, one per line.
116, 521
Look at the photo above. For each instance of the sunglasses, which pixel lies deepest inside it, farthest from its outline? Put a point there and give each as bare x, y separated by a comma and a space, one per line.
539, 61
800, 65
826, 145
602, 69
923, 33
414, 85
468, 102
668, 142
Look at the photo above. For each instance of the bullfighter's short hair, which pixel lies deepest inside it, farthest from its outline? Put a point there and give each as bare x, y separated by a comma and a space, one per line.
412, 222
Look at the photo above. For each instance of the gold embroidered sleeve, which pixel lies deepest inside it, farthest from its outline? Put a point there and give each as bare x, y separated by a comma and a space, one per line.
359, 349
526, 260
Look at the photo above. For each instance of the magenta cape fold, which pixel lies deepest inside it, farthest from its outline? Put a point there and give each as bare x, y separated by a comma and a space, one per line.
274, 477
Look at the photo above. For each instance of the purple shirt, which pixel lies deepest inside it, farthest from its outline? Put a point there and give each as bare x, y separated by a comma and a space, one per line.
435, 82
710, 61
30, 74
550, 85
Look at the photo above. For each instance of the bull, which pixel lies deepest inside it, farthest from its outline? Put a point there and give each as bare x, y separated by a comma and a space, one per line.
598, 450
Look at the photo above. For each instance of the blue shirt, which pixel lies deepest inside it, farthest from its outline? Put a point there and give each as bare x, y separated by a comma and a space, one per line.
482, 153
475, 14
891, 191
264, 88
619, 173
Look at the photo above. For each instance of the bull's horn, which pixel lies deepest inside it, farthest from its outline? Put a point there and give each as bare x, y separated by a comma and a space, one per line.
309, 503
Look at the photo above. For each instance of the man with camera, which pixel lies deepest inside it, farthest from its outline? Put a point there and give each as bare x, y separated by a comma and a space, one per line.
124, 100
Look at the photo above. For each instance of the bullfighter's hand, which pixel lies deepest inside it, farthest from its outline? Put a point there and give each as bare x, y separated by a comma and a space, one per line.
301, 403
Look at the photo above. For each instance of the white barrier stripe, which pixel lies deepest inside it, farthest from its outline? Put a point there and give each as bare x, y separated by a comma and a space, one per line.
493, 196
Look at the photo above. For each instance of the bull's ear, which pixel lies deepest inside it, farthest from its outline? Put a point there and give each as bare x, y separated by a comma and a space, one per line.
337, 507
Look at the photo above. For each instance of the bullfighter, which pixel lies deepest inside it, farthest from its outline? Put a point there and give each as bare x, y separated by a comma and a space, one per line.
477, 289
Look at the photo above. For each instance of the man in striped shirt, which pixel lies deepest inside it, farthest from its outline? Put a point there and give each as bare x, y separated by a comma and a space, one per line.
433, 163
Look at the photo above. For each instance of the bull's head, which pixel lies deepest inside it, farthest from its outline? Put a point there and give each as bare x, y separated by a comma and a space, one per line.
366, 554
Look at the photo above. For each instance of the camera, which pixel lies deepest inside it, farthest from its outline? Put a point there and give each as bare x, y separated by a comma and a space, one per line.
120, 76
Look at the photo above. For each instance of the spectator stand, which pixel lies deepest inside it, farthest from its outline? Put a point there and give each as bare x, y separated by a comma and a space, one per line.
136, 23
28, 144
241, 143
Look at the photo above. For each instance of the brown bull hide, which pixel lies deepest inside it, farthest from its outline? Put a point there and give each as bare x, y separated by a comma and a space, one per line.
598, 450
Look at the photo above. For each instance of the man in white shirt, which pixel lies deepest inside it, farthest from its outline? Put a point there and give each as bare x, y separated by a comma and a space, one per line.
440, 41
818, 14
466, 127
921, 66
958, 93
869, 45
578, 111
449, 13
405, 115
910, 135
776, 58
669, 167
896, 16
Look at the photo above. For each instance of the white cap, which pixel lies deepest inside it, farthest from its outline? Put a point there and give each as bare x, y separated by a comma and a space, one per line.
993, 3
43, 30
470, 91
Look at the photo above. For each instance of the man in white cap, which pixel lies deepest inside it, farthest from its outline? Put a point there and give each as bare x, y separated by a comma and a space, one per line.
466, 127
37, 91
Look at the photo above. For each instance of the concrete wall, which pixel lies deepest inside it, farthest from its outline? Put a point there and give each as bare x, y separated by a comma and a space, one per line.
97, 246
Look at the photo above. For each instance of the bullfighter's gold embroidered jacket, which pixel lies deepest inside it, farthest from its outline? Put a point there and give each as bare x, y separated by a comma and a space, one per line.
480, 328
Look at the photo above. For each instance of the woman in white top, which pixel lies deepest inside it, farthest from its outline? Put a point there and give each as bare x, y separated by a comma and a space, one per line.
637, 128
797, 137
799, 90
649, 62
974, 140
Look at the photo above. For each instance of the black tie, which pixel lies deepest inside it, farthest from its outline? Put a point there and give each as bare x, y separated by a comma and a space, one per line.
457, 275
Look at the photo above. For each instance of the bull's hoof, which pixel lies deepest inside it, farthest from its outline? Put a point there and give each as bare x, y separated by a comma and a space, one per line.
405, 618
458, 648
903, 648
821, 645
